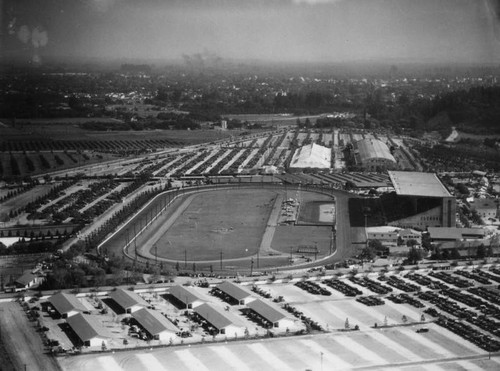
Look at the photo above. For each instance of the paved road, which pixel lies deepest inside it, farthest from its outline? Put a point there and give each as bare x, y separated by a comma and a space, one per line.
272, 222
24, 345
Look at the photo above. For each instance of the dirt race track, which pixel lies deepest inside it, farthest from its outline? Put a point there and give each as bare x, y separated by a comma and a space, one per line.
22, 343
200, 224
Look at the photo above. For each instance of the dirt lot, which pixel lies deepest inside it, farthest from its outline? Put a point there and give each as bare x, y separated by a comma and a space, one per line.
24, 345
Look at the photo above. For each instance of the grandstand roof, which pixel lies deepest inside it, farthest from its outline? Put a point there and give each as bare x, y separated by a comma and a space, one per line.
412, 183
312, 156
373, 148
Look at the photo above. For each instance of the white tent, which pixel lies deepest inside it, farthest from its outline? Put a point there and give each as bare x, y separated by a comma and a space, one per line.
312, 156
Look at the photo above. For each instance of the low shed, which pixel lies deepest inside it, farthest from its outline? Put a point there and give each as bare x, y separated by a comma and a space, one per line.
89, 330
128, 300
272, 313
67, 305
187, 296
223, 321
236, 292
156, 324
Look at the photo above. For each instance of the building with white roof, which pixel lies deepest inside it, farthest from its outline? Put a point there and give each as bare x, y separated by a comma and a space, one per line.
312, 156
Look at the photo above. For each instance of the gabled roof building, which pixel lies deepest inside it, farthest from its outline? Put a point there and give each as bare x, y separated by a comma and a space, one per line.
89, 330
67, 305
156, 324
128, 300
238, 293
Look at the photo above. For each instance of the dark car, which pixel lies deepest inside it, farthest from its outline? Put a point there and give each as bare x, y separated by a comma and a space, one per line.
423, 329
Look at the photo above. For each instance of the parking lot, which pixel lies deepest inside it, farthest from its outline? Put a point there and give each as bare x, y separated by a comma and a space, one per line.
377, 315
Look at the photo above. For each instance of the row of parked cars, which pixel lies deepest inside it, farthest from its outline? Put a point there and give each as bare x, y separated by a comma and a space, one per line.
399, 283
343, 287
426, 281
370, 300
307, 320
473, 276
483, 341
313, 288
405, 298
372, 285
452, 280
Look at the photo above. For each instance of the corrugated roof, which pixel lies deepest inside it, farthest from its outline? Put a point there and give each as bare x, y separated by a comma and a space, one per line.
267, 310
373, 148
154, 322
412, 183
235, 291
127, 299
216, 317
184, 294
88, 327
65, 303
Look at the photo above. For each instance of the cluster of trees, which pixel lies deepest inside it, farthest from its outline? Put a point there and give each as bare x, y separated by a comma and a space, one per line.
30, 247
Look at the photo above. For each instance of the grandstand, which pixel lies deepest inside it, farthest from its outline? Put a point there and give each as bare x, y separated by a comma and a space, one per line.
373, 155
420, 201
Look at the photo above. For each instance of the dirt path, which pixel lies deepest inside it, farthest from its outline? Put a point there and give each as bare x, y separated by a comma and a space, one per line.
21, 341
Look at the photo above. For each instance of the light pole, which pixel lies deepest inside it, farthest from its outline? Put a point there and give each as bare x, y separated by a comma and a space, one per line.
221, 260
251, 267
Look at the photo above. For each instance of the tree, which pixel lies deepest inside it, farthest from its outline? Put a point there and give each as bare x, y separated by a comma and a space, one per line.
481, 251
411, 243
454, 254
414, 255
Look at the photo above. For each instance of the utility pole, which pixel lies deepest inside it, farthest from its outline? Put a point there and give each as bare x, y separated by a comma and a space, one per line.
221, 260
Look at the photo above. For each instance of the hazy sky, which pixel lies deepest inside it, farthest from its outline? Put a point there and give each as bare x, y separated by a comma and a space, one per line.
278, 30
